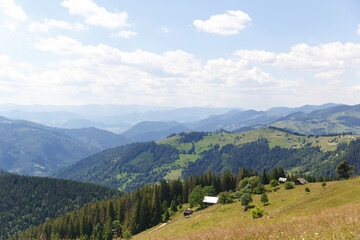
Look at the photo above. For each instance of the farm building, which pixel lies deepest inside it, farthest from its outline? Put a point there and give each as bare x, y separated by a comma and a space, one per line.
210, 200
300, 181
282, 180
187, 212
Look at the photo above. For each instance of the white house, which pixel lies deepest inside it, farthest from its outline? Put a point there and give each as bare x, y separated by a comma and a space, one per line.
210, 200
282, 180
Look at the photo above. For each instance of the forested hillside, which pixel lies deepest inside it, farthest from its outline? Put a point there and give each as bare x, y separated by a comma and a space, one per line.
27, 201
185, 154
143, 208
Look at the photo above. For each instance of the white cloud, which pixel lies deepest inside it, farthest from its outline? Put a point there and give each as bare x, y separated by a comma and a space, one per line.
229, 23
95, 15
325, 56
12, 10
330, 74
256, 55
125, 34
50, 23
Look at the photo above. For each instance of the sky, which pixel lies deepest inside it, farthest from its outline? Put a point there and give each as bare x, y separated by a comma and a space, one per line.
250, 54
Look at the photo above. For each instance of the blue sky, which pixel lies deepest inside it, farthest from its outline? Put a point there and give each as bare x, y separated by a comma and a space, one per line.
250, 54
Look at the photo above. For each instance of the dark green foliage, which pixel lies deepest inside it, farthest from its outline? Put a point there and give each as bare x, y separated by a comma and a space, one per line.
257, 212
255, 155
264, 198
197, 196
323, 184
288, 185
246, 199
191, 136
344, 170
259, 189
274, 183
209, 191
225, 197
127, 167
27, 201
307, 189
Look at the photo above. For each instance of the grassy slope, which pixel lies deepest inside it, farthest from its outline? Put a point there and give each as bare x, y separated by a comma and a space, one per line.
275, 138
324, 213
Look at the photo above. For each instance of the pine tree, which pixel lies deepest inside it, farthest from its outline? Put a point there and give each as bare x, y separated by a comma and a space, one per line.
156, 207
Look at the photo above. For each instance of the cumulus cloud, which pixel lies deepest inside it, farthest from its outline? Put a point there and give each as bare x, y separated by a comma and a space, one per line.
229, 23
125, 34
50, 23
96, 15
13, 11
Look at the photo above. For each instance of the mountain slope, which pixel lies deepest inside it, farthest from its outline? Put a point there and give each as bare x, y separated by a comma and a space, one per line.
191, 153
27, 201
34, 149
329, 212
331, 120
147, 131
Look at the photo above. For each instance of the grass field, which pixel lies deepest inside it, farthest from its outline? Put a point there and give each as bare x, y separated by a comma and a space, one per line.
330, 212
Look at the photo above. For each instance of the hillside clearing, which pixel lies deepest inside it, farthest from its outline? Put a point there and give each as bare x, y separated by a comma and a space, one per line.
331, 212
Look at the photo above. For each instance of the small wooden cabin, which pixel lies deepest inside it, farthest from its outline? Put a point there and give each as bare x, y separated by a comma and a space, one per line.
301, 181
187, 212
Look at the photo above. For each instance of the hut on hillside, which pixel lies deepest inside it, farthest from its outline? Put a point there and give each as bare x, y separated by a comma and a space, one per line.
282, 179
210, 200
301, 181
187, 212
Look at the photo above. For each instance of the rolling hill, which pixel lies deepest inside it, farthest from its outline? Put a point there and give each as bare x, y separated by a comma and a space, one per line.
191, 153
337, 119
34, 149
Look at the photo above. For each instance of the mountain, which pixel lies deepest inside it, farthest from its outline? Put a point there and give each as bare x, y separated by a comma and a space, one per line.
186, 154
27, 201
34, 149
233, 120
305, 108
146, 131
333, 120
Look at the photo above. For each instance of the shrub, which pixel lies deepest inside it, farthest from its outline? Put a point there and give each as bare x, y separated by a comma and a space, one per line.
274, 183
246, 199
225, 197
288, 185
323, 184
257, 212
259, 189
307, 189
264, 198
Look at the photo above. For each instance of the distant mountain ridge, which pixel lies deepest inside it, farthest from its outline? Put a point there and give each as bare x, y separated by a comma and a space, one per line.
34, 149
332, 120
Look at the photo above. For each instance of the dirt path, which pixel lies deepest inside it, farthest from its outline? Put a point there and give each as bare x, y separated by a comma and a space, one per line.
162, 225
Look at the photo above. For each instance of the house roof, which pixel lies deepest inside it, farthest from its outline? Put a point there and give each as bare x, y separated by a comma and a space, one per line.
302, 180
282, 179
208, 199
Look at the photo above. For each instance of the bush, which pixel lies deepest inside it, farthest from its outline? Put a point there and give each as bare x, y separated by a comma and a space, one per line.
264, 198
257, 212
307, 189
259, 189
274, 183
225, 197
323, 184
288, 185
246, 199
